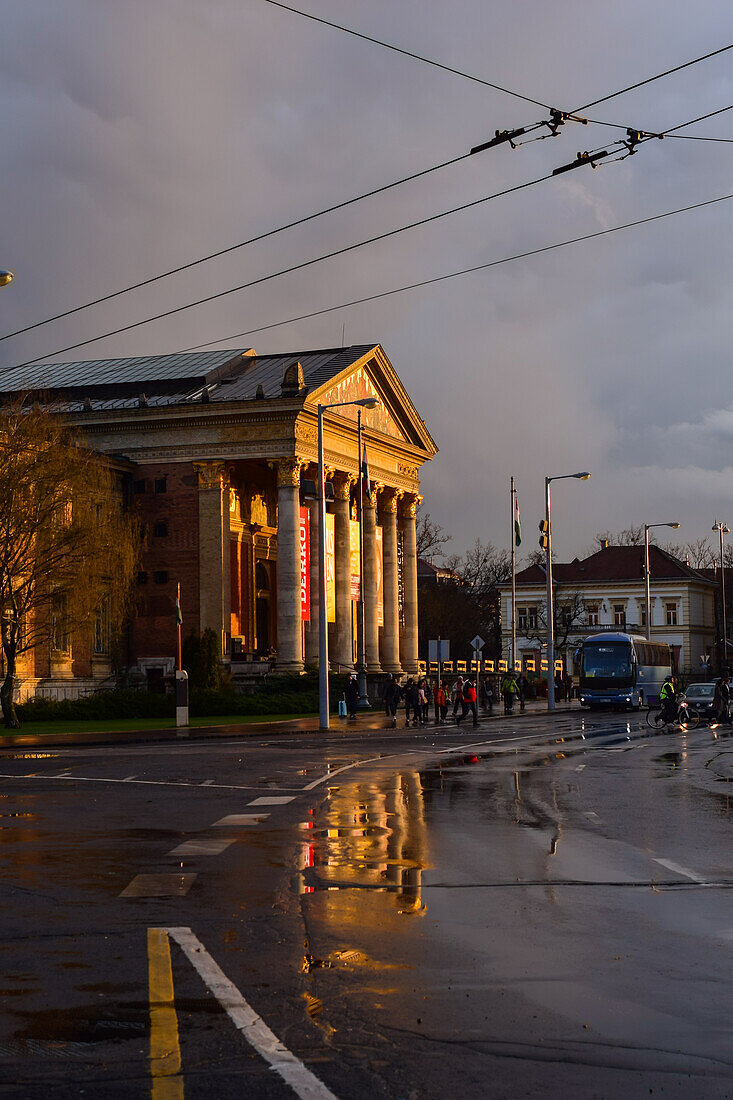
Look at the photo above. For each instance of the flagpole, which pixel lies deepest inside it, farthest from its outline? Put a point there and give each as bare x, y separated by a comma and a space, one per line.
179, 663
514, 574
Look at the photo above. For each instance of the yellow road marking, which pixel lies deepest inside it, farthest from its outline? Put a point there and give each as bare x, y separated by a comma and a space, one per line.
165, 1053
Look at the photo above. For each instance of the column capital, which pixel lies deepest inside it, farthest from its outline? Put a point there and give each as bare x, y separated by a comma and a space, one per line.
408, 505
342, 485
388, 500
288, 470
212, 475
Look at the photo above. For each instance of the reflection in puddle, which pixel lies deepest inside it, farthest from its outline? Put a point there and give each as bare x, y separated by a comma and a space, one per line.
368, 837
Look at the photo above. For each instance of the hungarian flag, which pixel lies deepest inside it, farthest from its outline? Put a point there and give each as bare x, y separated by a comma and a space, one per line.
517, 523
179, 616
365, 474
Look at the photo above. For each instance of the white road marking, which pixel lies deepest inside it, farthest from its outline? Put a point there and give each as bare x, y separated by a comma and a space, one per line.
128, 779
304, 1083
241, 819
272, 800
679, 870
580, 767
159, 886
591, 815
203, 847
207, 783
134, 782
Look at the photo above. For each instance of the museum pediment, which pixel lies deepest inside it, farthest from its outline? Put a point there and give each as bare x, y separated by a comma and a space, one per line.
394, 416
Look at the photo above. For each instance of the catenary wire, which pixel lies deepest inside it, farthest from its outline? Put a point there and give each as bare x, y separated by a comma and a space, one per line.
455, 274
408, 53
357, 198
240, 244
498, 87
325, 256
286, 271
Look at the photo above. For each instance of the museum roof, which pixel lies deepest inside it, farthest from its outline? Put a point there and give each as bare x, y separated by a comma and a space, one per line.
178, 378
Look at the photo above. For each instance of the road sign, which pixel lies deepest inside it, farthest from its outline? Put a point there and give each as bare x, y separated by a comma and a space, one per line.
704, 659
477, 642
439, 649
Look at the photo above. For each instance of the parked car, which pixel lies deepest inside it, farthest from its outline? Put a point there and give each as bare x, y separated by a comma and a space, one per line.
699, 699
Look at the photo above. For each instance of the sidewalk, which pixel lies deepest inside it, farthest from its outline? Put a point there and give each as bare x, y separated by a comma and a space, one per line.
372, 720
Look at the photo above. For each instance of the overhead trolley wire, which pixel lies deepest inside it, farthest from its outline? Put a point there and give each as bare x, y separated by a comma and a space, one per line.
364, 195
240, 244
586, 158
463, 271
498, 87
408, 53
288, 270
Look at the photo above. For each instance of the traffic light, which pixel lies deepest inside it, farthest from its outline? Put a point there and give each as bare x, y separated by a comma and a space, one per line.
544, 539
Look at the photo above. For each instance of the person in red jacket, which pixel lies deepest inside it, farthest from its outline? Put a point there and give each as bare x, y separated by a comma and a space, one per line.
469, 703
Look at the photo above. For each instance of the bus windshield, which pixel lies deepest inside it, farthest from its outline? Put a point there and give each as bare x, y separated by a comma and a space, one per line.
607, 663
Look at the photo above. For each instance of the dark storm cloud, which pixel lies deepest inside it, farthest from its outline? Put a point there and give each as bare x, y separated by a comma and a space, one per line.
139, 135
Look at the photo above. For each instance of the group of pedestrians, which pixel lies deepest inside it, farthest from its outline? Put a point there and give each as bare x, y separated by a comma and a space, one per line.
420, 695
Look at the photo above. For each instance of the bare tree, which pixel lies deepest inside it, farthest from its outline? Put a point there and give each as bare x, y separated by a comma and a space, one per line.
699, 554
430, 537
68, 552
467, 603
570, 615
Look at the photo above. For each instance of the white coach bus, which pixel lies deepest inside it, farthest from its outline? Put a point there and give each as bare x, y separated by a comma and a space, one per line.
622, 670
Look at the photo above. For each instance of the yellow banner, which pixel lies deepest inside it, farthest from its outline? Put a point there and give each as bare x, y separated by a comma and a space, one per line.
354, 566
380, 578
330, 568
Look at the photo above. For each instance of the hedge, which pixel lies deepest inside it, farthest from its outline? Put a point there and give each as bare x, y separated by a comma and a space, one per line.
278, 695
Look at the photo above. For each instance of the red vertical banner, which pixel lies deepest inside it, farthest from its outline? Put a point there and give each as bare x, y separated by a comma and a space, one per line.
305, 565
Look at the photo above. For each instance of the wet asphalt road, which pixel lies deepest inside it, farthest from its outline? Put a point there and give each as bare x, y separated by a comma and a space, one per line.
536, 908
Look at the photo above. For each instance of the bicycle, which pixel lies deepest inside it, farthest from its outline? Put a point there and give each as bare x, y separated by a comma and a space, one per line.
683, 717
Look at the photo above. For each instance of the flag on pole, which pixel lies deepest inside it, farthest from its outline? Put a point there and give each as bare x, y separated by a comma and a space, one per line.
517, 523
179, 616
365, 473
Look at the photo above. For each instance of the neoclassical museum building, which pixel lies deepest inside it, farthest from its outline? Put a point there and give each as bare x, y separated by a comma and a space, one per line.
218, 454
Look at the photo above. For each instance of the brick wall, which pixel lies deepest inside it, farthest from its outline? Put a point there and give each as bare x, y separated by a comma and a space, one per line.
166, 493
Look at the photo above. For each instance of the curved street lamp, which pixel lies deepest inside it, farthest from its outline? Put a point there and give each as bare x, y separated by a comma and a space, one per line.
582, 476
6, 277
323, 707
647, 527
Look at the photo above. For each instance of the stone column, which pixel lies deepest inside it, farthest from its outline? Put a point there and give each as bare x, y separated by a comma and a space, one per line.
214, 564
408, 632
289, 631
371, 628
391, 631
343, 651
312, 640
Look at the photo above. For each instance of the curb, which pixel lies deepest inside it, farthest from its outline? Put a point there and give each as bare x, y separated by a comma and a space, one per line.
211, 733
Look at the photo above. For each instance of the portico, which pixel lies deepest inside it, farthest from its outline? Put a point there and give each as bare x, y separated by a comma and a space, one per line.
222, 447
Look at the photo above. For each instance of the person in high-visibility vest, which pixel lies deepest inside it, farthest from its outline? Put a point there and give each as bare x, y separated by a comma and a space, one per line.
668, 699
508, 690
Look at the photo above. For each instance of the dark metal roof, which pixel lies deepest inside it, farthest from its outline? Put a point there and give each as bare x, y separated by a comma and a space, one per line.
231, 375
613, 563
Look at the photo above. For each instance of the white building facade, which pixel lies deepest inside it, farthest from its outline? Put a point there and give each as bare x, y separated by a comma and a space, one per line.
606, 591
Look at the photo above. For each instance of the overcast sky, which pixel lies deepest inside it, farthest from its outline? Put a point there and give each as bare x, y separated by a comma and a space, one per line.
138, 136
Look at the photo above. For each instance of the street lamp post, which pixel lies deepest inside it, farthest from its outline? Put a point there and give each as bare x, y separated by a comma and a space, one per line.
647, 527
582, 476
323, 703
724, 529
364, 703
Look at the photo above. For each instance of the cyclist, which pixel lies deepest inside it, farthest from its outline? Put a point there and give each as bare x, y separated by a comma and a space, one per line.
668, 700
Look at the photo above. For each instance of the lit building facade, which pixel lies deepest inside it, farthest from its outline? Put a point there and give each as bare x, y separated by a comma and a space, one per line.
218, 451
